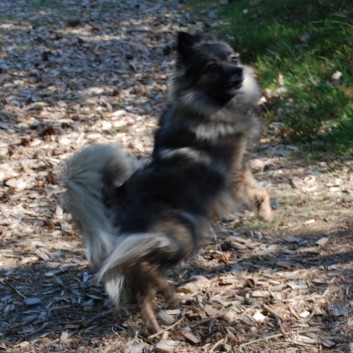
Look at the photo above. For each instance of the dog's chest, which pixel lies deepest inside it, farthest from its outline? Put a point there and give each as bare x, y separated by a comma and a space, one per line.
225, 125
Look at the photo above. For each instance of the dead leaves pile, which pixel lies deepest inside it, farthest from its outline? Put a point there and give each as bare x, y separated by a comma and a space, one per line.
73, 73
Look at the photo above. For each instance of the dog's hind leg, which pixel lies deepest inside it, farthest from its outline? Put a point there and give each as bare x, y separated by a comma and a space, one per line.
146, 294
152, 280
154, 275
147, 313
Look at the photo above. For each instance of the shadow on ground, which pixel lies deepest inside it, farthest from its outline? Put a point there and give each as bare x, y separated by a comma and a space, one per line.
47, 300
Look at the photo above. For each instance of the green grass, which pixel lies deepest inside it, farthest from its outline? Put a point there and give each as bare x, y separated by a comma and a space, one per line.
43, 4
306, 43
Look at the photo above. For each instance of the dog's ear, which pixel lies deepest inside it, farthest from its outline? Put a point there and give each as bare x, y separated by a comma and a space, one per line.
185, 42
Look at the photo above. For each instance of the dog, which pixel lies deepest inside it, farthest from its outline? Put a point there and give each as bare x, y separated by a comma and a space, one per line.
139, 220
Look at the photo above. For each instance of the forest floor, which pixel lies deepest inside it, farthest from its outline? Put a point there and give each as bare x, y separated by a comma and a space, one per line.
73, 73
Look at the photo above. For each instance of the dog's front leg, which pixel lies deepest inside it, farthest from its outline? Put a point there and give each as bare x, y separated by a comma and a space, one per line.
246, 188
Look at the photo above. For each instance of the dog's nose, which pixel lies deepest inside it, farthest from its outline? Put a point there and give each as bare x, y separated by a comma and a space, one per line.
236, 74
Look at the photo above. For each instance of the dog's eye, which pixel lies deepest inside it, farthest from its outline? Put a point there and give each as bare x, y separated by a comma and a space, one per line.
213, 67
234, 59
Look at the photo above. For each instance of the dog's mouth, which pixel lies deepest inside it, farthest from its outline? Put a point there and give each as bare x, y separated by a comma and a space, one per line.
234, 85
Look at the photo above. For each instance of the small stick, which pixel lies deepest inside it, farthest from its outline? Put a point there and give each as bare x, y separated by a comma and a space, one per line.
216, 345
56, 308
269, 310
274, 314
44, 325
261, 339
274, 336
90, 321
14, 289
204, 321
166, 329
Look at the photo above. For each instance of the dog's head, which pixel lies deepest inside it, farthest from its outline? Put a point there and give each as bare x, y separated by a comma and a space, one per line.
210, 65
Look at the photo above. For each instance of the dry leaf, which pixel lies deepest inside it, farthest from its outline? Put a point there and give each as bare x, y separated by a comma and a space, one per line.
166, 346
64, 337
259, 317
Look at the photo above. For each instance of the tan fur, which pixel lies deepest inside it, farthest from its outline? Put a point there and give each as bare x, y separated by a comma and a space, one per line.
154, 275
246, 188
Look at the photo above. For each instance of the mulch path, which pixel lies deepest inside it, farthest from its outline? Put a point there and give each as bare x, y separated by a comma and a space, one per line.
73, 73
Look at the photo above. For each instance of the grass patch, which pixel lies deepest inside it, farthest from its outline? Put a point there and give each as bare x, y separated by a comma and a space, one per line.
303, 54
43, 4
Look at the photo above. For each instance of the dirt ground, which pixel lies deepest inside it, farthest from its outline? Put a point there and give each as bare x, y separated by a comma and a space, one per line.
77, 72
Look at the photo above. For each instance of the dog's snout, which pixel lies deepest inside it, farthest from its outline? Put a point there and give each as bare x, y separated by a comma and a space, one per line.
237, 70
236, 74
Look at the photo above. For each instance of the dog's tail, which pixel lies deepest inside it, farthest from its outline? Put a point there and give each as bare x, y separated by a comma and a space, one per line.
128, 251
83, 199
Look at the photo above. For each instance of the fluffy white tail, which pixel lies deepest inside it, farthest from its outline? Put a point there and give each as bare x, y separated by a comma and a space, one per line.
129, 250
83, 179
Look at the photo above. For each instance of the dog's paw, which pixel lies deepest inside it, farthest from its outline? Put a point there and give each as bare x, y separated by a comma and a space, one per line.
264, 210
261, 199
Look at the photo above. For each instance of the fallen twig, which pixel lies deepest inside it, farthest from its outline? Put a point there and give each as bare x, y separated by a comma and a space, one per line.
98, 317
14, 289
278, 318
201, 322
166, 329
217, 344
266, 338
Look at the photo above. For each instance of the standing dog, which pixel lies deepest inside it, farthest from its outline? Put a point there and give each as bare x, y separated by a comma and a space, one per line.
136, 222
